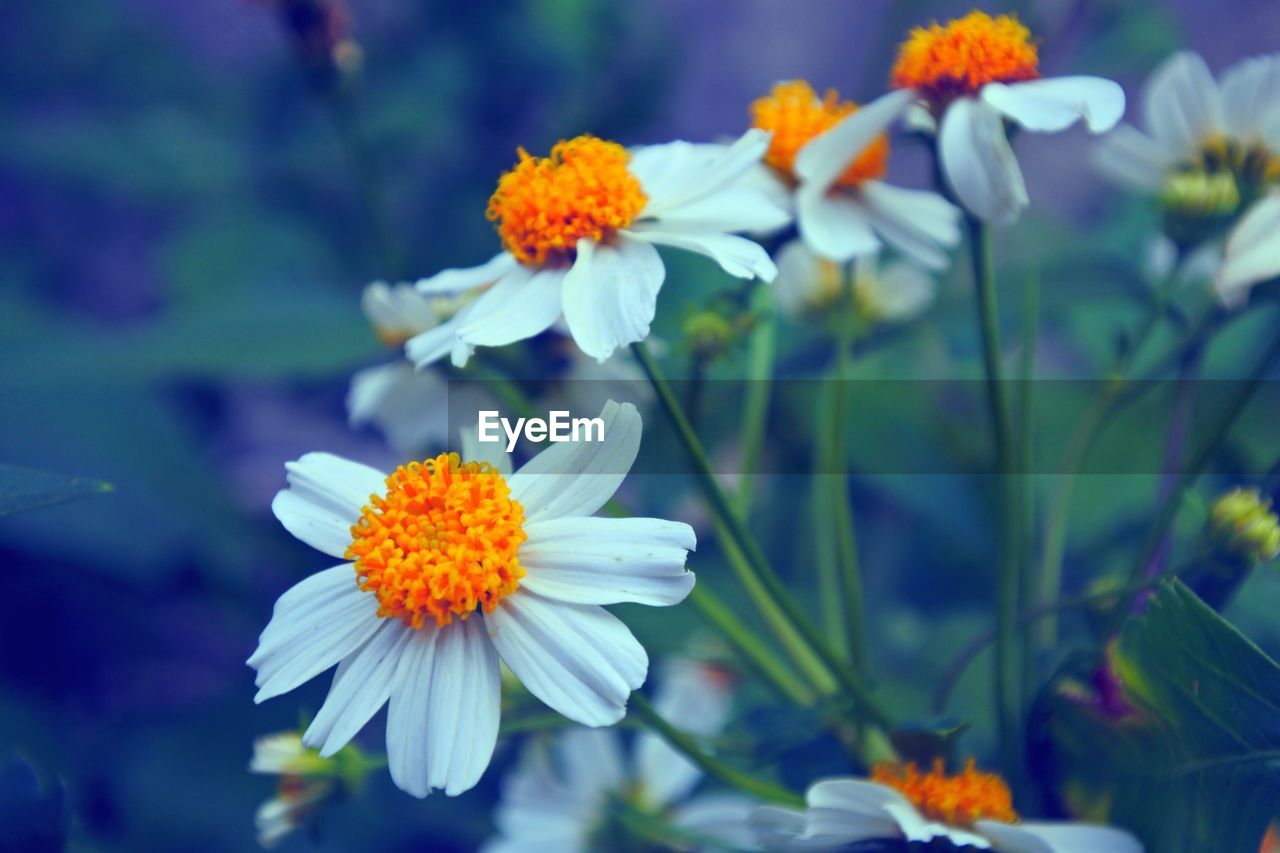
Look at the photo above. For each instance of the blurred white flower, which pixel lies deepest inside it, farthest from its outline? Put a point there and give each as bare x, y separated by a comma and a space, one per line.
809, 286
974, 73
561, 793
514, 568
306, 781
579, 230
968, 810
831, 156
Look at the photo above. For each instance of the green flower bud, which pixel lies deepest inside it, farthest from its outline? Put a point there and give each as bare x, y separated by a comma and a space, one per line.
708, 334
1242, 523
1198, 205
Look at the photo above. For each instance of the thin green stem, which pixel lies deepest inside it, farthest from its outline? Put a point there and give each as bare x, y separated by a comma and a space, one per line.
1026, 533
842, 512
710, 765
1006, 693
762, 350
823, 512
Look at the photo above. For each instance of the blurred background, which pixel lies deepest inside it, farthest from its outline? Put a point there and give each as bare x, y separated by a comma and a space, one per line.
193, 194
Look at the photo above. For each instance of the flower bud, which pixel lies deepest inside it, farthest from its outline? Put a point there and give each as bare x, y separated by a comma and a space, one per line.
1198, 205
1242, 523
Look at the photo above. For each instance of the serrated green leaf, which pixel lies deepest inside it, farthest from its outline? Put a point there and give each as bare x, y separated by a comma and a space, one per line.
30, 488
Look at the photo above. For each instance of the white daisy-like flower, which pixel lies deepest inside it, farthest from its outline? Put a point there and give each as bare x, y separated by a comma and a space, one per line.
579, 230
974, 73
306, 781
406, 405
559, 797
969, 810
1252, 253
451, 566
810, 286
829, 157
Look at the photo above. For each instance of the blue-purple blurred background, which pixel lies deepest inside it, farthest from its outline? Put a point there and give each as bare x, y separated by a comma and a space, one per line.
190, 204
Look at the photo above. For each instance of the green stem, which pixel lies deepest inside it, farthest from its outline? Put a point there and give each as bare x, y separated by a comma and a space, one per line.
736, 531
1006, 693
823, 512
762, 351
710, 765
1026, 458
842, 512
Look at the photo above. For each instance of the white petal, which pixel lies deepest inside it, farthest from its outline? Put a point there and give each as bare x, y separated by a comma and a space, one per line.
979, 164
917, 830
611, 294
1129, 157
315, 625
608, 560
592, 760
1047, 106
735, 208
434, 344
697, 699
458, 280
902, 291
443, 721
825, 157
1033, 837
538, 810
409, 406
473, 449
918, 223
577, 478
799, 279
721, 819
1250, 93
578, 659
714, 169
1253, 252
1182, 103
397, 309
522, 304
851, 810
324, 498
361, 686
736, 255
775, 827
834, 225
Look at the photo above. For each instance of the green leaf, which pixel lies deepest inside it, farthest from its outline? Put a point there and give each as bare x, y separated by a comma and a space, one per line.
1194, 762
29, 488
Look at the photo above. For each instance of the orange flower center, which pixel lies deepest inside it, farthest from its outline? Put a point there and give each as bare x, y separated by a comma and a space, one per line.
441, 543
545, 205
795, 114
966, 54
961, 800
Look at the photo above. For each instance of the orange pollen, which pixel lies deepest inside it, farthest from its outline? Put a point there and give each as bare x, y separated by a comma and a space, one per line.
945, 62
961, 800
441, 543
795, 114
545, 205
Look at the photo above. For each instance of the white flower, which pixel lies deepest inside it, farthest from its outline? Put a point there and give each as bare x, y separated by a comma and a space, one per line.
579, 230
452, 566
808, 285
560, 793
974, 73
831, 157
289, 809
306, 781
840, 812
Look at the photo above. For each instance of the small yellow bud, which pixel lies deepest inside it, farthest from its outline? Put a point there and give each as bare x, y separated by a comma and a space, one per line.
1198, 205
1242, 522
708, 334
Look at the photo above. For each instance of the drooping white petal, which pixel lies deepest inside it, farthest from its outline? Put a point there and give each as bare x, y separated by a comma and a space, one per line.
825, 157
697, 699
720, 819
452, 281
1253, 252
777, 828
736, 255
848, 810
434, 344
611, 294
578, 659
917, 830
522, 304
443, 720
1034, 837
1182, 104
918, 223
978, 162
408, 405
1129, 157
1250, 94
398, 310
1050, 105
324, 498
315, 625
608, 560
677, 174
834, 225
576, 478
361, 686
735, 208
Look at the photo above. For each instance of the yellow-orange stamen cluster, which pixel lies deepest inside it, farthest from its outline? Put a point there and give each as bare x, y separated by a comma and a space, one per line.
959, 58
794, 114
545, 205
441, 543
960, 800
